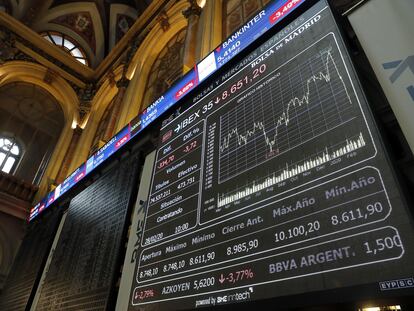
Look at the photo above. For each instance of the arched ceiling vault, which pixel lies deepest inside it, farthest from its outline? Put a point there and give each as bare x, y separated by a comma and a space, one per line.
96, 25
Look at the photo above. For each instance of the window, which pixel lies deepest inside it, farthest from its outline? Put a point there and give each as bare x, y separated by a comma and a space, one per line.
67, 44
9, 154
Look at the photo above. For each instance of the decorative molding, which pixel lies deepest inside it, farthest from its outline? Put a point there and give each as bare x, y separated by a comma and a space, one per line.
85, 96
16, 195
133, 48
80, 20
121, 18
24, 57
27, 35
7, 47
162, 19
8, 50
123, 24
81, 23
50, 76
14, 206
110, 76
122, 83
81, 74
12, 40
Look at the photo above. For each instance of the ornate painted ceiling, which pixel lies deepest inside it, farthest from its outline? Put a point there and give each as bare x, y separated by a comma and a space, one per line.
95, 25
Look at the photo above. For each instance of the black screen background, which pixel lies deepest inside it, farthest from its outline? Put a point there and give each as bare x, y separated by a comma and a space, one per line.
340, 184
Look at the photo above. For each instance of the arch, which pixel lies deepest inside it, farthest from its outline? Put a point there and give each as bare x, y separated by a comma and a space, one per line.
144, 58
78, 39
69, 45
20, 71
166, 69
75, 7
103, 125
103, 97
156, 40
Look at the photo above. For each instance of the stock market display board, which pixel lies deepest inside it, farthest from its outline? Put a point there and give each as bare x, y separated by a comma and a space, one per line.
273, 183
28, 266
81, 273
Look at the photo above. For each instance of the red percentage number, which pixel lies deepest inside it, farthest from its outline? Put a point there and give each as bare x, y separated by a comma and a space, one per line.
237, 276
283, 10
144, 294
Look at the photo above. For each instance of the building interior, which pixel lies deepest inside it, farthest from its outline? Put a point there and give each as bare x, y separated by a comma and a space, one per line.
73, 73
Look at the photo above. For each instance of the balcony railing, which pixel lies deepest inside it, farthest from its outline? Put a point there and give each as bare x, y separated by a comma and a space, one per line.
17, 188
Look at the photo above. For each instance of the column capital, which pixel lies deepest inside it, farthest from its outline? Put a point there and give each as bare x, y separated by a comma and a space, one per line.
122, 83
86, 96
193, 10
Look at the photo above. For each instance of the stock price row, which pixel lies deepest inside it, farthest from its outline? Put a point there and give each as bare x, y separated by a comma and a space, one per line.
352, 201
351, 252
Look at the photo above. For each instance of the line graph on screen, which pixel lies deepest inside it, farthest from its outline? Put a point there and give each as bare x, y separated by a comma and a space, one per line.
307, 99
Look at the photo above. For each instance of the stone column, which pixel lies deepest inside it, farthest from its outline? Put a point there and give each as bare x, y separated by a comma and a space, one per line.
67, 160
128, 108
122, 85
192, 14
77, 157
210, 32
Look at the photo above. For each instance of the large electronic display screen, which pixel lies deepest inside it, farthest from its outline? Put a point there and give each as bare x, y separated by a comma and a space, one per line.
273, 183
263, 21
81, 274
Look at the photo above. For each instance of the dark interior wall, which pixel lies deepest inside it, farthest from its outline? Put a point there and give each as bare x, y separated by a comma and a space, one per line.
32, 116
11, 234
21, 283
